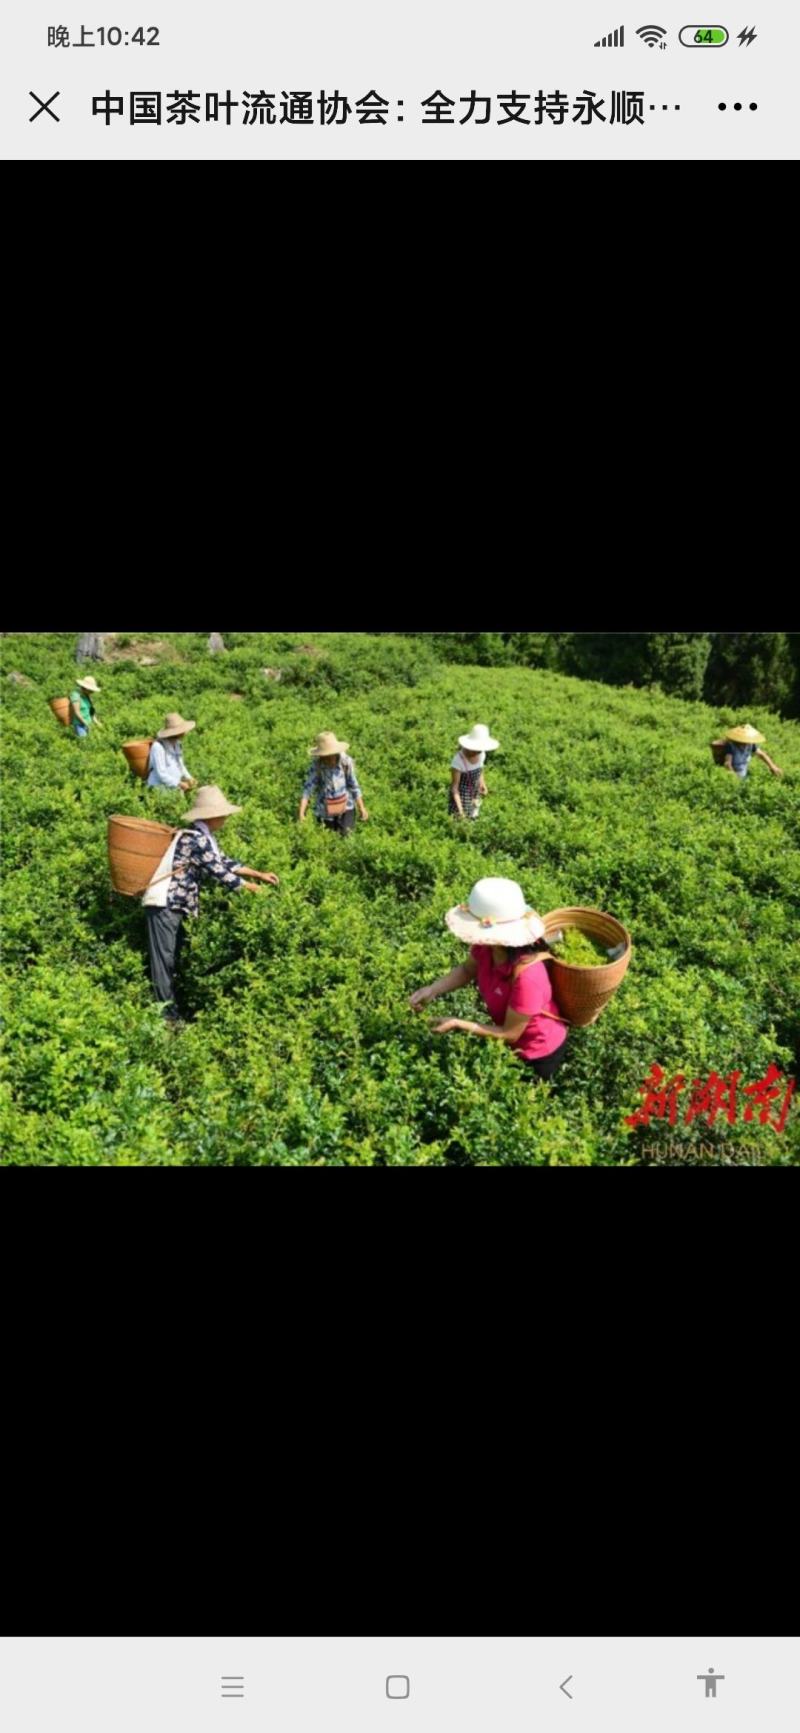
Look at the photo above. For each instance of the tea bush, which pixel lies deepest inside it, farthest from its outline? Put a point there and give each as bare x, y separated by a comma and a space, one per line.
301, 1049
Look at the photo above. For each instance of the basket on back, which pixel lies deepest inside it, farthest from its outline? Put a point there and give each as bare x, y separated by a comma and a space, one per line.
137, 753
61, 708
582, 993
718, 750
136, 848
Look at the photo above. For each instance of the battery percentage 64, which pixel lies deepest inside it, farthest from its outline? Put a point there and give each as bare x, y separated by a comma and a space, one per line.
703, 36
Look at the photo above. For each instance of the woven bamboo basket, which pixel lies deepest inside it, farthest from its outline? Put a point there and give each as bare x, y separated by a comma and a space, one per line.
61, 708
135, 849
718, 751
581, 993
137, 753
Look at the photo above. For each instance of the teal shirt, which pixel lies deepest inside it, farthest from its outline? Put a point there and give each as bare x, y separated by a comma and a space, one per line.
84, 705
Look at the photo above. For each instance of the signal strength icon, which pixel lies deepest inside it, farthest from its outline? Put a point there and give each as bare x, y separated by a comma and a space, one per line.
615, 39
652, 34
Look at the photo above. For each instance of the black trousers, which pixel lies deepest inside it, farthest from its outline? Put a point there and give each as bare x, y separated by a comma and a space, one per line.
344, 824
548, 1067
165, 935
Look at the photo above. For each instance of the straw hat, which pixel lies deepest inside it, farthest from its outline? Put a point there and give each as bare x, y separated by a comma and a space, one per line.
210, 803
174, 725
479, 740
89, 684
746, 736
496, 914
326, 745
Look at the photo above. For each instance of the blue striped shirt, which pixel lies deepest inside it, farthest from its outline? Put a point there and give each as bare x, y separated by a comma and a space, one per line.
330, 783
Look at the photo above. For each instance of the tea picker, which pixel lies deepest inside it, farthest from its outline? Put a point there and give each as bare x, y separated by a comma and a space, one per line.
737, 748
167, 868
333, 786
506, 939
467, 785
532, 1006
158, 760
166, 765
82, 711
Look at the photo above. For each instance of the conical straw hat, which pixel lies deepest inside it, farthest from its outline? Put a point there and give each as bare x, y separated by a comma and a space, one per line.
174, 724
746, 736
210, 803
326, 745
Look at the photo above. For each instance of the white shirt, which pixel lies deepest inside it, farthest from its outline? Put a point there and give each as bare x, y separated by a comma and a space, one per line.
463, 764
155, 897
167, 769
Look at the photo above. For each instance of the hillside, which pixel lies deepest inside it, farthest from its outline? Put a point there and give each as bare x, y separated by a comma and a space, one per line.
301, 1049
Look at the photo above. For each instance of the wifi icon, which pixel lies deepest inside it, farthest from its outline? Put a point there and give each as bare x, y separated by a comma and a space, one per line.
653, 35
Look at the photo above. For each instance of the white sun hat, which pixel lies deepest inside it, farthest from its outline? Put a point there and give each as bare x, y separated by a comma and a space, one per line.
480, 740
496, 914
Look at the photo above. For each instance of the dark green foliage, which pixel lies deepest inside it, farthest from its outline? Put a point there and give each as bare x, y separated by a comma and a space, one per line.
751, 668
678, 661
734, 668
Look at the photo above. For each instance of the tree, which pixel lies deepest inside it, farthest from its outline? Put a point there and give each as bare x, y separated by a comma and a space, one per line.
793, 640
751, 668
621, 658
90, 647
489, 648
678, 661
534, 649
726, 668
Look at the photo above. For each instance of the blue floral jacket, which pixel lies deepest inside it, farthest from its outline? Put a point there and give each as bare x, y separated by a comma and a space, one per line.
199, 854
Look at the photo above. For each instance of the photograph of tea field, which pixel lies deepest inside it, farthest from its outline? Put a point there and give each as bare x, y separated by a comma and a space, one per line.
300, 1048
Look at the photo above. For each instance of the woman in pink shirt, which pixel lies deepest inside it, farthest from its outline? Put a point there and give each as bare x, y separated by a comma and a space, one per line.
507, 964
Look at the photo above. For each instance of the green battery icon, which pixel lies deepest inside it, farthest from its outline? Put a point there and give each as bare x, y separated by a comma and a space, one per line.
703, 36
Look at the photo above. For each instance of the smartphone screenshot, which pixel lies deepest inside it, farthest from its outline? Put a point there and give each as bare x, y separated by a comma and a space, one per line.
400, 80
399, 1684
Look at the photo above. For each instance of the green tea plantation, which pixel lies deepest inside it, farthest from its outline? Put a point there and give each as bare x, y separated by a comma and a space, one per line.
300, 1048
